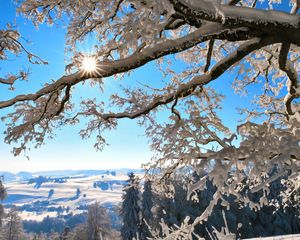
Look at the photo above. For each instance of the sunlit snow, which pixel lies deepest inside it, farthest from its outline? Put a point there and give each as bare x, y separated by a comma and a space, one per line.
36, 203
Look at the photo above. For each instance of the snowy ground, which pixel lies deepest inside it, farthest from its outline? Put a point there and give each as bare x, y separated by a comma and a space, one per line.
285, 237
36, 204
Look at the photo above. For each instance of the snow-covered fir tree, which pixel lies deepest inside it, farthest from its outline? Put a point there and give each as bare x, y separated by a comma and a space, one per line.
147, 215
130, 211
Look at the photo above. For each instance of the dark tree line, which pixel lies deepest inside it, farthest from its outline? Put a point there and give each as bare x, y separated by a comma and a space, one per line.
95, 224
54, 224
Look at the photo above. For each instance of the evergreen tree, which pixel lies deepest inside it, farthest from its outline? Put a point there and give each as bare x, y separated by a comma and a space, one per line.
174, 207
50, 194
147, 204
130, 210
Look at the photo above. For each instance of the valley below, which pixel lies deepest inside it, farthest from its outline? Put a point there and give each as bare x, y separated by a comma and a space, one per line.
59, 193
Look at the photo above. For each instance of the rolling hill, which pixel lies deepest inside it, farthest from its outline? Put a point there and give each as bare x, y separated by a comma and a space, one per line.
41, 194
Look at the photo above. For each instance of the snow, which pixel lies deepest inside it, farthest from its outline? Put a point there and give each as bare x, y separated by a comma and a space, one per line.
285, 237
35, 204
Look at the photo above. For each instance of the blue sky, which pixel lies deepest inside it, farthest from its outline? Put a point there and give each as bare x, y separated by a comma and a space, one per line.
128, 145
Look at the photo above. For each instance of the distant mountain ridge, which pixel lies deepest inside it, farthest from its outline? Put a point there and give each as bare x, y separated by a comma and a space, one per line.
24, 175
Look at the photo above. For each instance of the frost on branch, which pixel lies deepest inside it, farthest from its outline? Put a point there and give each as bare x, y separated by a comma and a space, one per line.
34, 122
10, 44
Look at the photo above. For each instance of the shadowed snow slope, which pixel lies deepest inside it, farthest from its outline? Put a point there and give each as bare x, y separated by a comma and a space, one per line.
53, 194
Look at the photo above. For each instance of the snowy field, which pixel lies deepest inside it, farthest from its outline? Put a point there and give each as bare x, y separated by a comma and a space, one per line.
40, 199
285, 237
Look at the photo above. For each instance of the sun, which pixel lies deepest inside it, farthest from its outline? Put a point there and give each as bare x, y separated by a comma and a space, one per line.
89, 64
